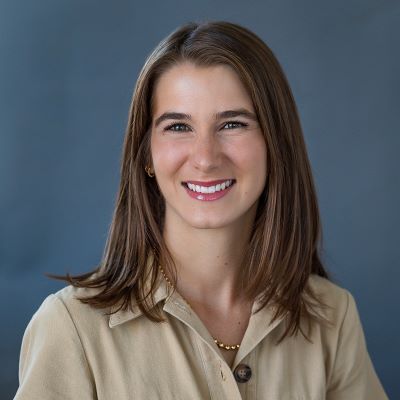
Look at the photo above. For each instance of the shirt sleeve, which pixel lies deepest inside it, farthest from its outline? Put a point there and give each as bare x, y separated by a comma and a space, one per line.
353, 375
52, 361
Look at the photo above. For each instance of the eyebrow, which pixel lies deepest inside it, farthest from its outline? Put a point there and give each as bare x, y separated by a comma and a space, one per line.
223, 114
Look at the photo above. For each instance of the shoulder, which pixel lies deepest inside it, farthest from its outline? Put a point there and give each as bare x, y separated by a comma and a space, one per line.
339, 302
53, 358
329, 291
70, 296
62, 318
350, 372
64, 307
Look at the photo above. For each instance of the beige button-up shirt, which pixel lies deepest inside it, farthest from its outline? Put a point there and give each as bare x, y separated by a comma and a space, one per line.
73, 351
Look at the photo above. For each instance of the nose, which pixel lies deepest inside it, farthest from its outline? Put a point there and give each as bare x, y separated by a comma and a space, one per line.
206, 152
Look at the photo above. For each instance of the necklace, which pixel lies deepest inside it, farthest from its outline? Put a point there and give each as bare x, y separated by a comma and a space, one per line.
218, 343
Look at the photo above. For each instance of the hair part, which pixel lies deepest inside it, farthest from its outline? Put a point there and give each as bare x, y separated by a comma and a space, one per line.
286, 240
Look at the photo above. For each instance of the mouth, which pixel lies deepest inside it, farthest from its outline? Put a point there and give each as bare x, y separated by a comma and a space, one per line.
209, 187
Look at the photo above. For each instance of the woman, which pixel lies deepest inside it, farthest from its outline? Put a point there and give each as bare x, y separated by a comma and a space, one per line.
211, 284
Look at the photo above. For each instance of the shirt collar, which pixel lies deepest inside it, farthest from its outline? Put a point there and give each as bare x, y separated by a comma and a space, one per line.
121, 316
163, 292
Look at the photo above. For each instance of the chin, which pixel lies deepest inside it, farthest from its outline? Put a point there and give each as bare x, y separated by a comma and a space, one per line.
207, 222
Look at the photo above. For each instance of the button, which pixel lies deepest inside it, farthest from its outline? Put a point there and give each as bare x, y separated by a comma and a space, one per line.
242, 373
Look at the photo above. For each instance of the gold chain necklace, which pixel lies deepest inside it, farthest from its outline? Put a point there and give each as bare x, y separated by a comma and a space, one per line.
219, 344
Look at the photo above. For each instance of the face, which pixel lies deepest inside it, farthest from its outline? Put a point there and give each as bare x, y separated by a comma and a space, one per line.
200, 144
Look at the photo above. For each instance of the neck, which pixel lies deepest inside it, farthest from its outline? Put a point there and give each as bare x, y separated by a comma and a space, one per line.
208, 263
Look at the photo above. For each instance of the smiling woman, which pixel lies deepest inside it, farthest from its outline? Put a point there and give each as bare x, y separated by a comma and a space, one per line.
211, 283
209, 148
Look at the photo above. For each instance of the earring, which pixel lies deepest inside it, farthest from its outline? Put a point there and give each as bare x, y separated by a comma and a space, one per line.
149, 172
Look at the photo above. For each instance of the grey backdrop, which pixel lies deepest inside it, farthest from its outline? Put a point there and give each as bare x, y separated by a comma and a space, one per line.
67, 71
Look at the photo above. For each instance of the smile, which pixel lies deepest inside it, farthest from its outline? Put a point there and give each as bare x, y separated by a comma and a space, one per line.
209, 193
210, 189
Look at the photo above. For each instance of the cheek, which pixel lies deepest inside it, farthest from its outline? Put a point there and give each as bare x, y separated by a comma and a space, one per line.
251, 157
167, 156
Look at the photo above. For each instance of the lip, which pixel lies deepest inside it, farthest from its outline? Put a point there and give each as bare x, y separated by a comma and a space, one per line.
208, 196
209, 183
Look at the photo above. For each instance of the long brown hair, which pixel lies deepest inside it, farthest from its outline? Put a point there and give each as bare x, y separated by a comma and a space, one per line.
285, 243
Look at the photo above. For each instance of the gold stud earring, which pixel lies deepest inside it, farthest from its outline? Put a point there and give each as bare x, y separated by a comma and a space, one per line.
150, 173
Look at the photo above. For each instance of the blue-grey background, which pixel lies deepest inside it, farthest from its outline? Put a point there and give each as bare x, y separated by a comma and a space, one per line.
67, 71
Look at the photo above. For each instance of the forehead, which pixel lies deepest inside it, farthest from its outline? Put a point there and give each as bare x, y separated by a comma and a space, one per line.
187, 86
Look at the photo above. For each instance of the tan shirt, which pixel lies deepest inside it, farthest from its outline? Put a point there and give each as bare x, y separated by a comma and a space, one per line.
73, 351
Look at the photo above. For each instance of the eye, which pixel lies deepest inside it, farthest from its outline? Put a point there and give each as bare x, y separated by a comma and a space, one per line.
169, 127
241, 124
181, 127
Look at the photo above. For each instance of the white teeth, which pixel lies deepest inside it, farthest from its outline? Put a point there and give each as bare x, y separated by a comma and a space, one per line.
210, 189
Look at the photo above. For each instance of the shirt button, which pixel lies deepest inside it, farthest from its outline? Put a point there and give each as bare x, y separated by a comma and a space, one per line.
242, 373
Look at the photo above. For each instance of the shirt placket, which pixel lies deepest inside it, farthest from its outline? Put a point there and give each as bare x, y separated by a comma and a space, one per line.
220, 378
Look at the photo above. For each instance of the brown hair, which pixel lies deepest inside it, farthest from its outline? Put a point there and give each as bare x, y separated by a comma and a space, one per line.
286, 238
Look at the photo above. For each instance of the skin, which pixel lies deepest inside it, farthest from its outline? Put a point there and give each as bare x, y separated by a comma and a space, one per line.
207, 238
